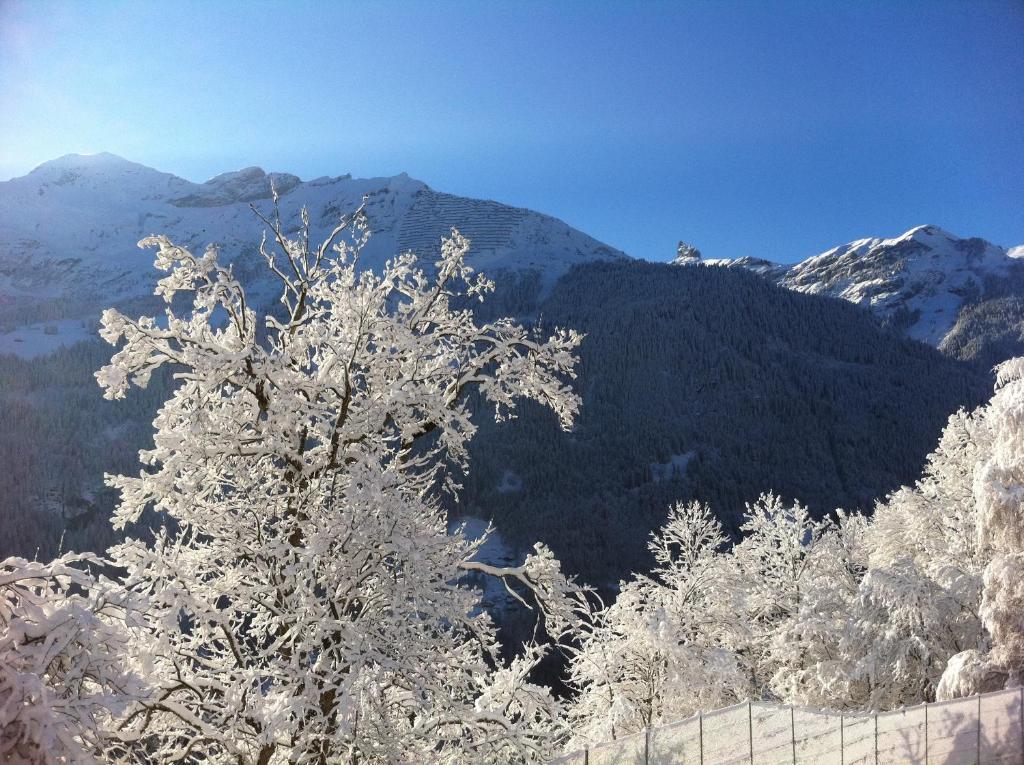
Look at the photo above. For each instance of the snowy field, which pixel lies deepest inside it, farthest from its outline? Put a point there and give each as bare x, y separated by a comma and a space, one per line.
35, 340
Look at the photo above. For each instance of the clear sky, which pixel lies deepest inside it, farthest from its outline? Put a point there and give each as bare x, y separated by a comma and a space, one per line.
772, 129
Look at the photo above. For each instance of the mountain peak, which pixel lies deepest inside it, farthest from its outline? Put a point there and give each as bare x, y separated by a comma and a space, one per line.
686, 254
100, 161
246, 185
926, 234
245, 174
918, 281
86, 158
107, 204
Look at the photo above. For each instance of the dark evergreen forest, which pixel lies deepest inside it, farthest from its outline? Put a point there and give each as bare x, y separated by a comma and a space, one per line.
696, 382
707, 383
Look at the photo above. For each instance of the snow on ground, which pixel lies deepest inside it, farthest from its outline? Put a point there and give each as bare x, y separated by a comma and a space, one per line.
39, 339
510, 483
674, 468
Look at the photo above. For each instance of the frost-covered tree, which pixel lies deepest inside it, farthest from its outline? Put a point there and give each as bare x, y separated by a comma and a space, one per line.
714, 625
917, 601
303, 601
934, 611
814, 647
922, 601
998, 499
846, 614
660, 651
63, 639
899, 594
999, 493
772, 573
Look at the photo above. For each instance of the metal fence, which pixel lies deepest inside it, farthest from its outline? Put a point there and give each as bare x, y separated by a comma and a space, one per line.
978, 730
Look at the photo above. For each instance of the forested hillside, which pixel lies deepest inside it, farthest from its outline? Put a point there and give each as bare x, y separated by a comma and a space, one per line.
697, 382
962, 295
709, 383
991, 330
58, 436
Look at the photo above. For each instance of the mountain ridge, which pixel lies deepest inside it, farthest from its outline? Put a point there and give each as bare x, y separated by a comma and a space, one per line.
69, 228
921, 283
69, 231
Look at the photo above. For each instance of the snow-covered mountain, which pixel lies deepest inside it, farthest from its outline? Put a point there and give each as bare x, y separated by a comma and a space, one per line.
696, 382
766, 268
921, 281
68, 233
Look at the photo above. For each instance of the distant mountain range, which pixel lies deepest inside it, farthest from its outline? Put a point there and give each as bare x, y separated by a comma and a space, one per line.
964, 296
710, 383
68, 233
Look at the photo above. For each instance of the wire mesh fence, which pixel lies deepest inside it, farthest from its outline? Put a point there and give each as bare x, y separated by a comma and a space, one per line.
978, 730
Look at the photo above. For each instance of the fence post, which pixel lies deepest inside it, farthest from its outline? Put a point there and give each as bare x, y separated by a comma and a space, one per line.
979, 729
842, 737
926, 733
876, 738
750, 730
792, 731
700, 735
1022, 724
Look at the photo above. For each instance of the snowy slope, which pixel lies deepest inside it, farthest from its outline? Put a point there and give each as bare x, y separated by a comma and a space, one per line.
919, 281
766, 268
68, 231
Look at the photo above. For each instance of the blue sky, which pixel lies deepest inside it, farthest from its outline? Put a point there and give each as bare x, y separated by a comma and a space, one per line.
745, 128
